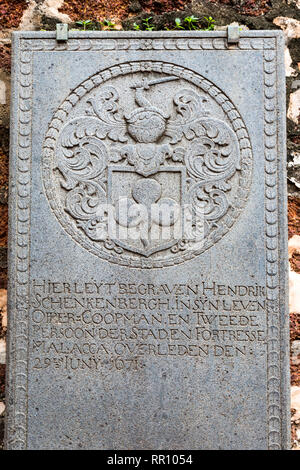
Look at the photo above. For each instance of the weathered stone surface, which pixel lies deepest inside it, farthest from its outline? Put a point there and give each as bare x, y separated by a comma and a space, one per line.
37, 12
2, 351
127, 329
291, 30
295, 406
294, 282
289, 71
294, 107
290, 27
294, 277
3, 308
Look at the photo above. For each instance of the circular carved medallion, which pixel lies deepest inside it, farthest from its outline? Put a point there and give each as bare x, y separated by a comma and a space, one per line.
147, 164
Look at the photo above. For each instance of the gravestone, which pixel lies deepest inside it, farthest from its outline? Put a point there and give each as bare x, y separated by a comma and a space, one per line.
148, 261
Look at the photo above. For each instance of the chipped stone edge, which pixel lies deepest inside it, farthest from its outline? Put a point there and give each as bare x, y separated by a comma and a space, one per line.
283, 249
277, 257
19, 230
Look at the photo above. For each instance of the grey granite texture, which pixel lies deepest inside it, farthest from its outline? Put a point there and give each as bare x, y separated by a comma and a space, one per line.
148, 242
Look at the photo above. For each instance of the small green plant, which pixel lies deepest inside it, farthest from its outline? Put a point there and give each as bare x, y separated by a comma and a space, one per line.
178, 24
147, 26
84, 24
110, 25
206, 23
192, 22
210, 23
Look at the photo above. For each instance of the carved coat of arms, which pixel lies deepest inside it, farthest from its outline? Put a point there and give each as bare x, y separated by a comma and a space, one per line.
141, 158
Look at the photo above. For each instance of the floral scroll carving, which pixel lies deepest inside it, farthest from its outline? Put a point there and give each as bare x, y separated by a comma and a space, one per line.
120, 136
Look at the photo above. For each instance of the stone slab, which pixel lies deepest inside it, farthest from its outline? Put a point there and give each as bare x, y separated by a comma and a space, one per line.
128, 329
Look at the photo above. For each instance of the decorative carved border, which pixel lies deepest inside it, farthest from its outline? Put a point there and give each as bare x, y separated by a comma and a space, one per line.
19, 306
146, 44
16, 425
272, 250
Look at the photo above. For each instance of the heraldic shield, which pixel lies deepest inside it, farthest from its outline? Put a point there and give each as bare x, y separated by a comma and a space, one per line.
148, 212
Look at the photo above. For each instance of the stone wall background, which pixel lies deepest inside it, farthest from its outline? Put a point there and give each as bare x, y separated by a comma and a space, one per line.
252, 14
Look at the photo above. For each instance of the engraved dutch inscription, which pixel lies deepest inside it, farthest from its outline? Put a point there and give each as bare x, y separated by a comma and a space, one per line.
147, 262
